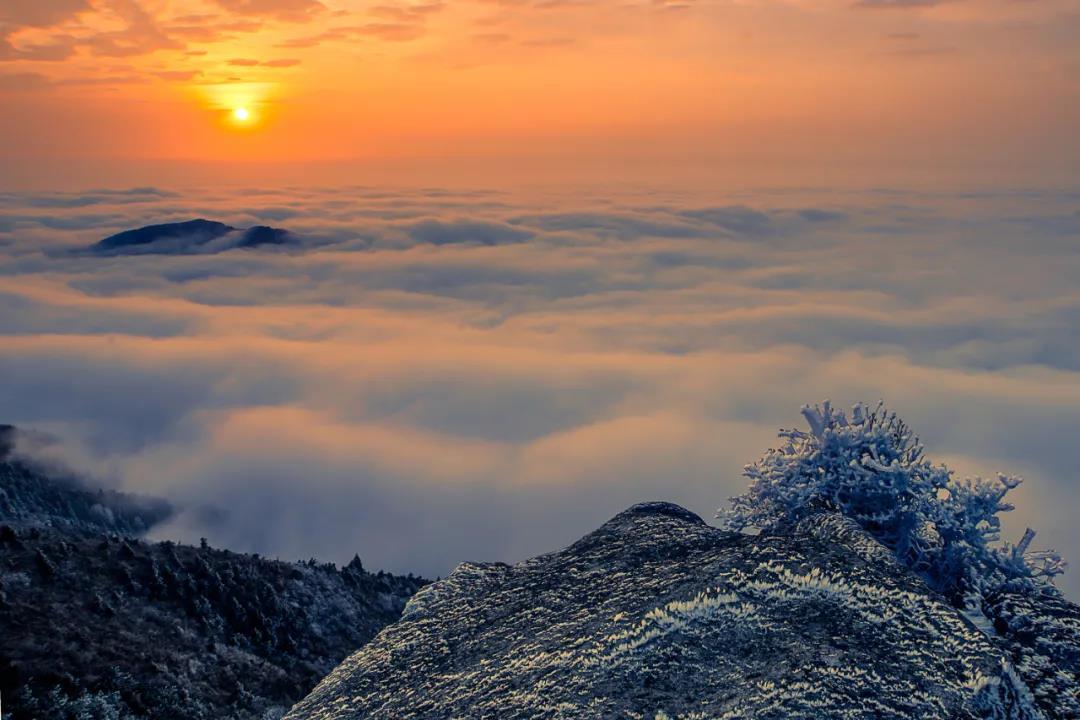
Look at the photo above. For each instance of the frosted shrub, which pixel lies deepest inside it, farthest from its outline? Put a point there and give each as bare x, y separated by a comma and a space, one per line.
870, 467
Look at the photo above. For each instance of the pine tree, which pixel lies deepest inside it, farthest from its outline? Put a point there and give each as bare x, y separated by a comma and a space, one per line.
870, 468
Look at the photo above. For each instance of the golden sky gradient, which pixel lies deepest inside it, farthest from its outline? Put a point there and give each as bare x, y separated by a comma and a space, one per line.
984, 86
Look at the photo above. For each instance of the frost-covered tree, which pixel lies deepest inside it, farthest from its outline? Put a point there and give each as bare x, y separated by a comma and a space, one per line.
870, 467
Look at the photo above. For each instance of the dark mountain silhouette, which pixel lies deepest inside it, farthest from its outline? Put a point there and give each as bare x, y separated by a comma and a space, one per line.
99, 624
195, 231
265, 235
657, 615
191, 236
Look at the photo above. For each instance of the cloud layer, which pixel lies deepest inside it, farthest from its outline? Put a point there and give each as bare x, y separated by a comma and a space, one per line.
437, 375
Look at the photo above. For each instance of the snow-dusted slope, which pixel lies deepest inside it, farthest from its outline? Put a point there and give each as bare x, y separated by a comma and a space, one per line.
97, 624
31, 495
657, 615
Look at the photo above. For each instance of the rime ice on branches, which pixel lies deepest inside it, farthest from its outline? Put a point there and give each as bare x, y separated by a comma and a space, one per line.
871, 468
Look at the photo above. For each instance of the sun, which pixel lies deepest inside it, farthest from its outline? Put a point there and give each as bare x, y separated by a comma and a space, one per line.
240, 107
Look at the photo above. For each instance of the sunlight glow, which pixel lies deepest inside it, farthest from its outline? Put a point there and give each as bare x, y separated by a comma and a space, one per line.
241, 114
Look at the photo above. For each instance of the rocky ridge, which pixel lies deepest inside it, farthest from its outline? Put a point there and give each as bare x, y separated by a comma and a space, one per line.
658, 615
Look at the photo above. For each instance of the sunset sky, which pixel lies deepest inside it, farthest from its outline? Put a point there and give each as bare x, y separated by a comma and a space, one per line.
813, 89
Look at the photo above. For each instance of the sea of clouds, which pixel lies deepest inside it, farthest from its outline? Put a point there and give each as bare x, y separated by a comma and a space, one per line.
435, 375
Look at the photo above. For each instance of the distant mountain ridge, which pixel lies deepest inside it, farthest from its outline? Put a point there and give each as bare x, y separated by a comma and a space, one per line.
98, 624
190, 236
32, 495
657, 616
